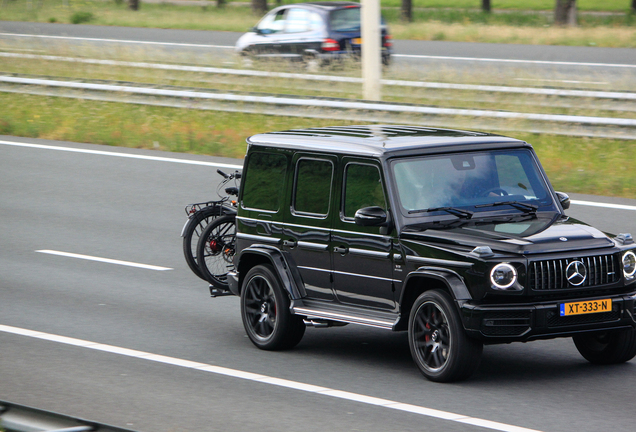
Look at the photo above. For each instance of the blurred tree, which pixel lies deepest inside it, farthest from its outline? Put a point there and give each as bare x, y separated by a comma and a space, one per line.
633, 5
220, 3
565, 12
407, 10
485, 6
259, 6
133, 5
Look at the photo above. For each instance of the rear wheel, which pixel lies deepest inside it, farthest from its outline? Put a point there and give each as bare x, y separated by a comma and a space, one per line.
439, 345
610, 347
265, 311
215, 251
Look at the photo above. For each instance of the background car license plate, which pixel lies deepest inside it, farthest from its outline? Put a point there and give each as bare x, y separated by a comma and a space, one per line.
356, 41
586, 307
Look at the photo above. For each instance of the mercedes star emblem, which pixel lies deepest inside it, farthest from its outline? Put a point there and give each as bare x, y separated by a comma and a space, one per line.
576, 273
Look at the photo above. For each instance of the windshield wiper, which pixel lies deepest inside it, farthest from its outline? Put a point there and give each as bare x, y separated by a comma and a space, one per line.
460, 213
524, 207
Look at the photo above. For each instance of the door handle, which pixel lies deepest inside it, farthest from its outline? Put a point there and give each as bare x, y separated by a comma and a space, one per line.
340, 250
289, 243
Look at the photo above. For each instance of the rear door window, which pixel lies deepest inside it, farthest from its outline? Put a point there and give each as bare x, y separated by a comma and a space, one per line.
312, 189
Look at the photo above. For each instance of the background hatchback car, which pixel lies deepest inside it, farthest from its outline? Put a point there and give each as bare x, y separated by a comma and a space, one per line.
316, 33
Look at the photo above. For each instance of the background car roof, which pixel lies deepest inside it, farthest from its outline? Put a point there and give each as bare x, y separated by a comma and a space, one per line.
330, 5
382, 140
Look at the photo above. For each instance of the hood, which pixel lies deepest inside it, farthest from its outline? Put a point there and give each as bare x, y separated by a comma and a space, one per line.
538, 235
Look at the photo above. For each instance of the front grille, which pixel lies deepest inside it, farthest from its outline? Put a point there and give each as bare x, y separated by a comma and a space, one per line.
508, 323
550, 274
557, 321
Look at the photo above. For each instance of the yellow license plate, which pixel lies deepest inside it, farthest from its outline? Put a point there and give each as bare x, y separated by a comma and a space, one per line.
356, 41
586, 307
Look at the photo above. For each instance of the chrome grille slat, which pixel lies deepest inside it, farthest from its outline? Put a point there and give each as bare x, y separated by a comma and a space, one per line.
550, 275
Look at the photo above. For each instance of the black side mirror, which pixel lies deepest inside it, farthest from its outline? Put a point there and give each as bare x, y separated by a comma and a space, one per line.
370, 216
564, 199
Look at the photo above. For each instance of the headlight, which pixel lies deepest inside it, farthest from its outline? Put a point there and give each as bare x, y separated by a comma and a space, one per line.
629, 264
503, 276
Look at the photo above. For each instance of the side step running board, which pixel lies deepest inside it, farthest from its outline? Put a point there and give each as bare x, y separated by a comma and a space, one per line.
312, 313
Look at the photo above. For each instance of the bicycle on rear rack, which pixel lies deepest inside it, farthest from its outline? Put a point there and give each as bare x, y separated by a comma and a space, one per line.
214, 221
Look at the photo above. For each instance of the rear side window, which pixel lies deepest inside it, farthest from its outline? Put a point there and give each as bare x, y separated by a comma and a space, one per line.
264, 181
312, 192
297, 20
345, 20
363, 188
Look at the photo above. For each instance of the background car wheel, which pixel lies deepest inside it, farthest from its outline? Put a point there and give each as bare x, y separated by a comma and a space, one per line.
438, 342
265, 311
607, 347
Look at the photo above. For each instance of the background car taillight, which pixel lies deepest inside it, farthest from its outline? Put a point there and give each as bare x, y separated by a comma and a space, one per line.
330, 45
387, 41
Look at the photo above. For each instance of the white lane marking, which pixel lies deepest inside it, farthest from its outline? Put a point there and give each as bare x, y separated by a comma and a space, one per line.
546, 62
605, 205
104, 260
561, 81
230, 166
124, 155
264, 379
117, 40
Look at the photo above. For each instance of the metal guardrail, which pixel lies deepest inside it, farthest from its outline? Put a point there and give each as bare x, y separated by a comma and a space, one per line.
321, 107
21, 418
331, 78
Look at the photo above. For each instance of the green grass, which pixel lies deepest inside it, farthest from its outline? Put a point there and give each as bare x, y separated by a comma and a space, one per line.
584, 165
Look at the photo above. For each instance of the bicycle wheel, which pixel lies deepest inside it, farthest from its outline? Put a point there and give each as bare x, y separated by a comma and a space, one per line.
216, 249
193, 230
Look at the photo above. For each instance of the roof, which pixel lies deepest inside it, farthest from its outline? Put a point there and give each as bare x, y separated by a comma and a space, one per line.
381, 140
331, 5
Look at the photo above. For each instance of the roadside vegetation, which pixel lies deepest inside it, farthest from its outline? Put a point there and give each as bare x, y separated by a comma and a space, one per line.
584, 165
607, 23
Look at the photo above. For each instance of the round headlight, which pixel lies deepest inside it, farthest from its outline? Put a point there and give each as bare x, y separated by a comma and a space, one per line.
503, 276
629, 264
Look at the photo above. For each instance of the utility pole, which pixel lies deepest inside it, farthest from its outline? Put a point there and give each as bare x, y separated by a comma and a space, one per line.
371, 55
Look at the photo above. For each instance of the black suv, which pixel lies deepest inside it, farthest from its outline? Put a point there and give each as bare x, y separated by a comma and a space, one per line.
456, 237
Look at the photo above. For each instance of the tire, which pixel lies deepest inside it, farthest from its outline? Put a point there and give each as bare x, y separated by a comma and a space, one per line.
196, 225
610, 347
438, 342
265, 311
215, 250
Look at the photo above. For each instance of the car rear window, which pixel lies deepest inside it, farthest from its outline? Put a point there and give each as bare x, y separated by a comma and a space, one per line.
345, 20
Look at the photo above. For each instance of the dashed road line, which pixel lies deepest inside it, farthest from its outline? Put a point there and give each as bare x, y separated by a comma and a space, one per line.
103, 260
264, 379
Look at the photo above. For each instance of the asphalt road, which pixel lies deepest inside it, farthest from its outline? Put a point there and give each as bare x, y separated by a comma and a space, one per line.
104, 205
547, 65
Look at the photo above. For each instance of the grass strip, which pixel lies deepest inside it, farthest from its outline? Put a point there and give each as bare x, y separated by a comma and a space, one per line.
436, 22
583, 165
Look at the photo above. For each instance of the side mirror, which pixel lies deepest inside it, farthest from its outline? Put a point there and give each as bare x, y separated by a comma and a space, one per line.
370, 216
564, 199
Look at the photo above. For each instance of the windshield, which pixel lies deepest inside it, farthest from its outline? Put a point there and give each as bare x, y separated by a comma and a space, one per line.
468, 183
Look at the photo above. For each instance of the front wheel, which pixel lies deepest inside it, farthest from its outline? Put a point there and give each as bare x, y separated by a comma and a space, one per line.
265, 311
438, 342
610, 347
215, 251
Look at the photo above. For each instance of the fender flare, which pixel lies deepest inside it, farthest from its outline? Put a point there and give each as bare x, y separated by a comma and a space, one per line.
283, 267
453, 281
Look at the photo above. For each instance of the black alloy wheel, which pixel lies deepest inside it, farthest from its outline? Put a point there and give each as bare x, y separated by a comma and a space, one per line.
265, 311
611, 347
438, 342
